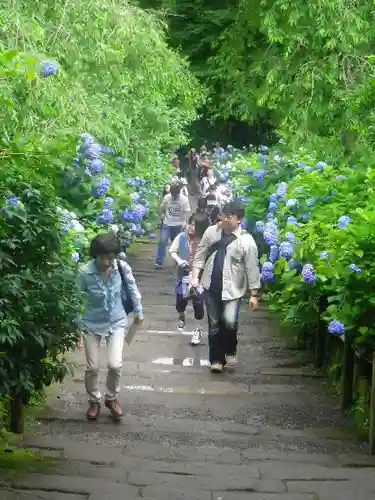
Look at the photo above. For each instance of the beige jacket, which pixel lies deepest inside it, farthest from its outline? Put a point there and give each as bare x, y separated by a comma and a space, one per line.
241, 264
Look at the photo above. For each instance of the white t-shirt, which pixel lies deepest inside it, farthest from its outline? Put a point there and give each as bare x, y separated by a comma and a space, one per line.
176, 211
206, 183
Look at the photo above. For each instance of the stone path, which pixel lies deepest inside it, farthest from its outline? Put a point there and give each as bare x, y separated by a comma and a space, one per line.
267, 431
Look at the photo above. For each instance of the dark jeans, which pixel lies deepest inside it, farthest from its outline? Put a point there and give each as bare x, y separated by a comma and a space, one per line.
222, 326
198, 306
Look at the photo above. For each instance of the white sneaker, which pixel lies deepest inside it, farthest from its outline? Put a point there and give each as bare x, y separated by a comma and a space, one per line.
196, 337
216, 367
181, 325
231, 360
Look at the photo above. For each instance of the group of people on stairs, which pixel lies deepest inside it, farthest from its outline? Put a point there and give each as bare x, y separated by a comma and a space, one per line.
216, 266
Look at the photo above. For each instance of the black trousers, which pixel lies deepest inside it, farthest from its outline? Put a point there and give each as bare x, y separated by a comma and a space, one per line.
222, 326
198, 306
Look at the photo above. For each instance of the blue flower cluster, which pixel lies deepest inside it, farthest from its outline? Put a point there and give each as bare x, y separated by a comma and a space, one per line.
286, 250
48, 68
308, 274
343, 222
354, 269
267, 272
101, 187
336, 328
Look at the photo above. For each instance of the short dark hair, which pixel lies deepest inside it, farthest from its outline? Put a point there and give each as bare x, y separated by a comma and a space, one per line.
202, 204
234, 207
105, 244
175, 191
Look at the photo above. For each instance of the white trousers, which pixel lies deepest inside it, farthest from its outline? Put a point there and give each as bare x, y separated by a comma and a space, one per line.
115, 345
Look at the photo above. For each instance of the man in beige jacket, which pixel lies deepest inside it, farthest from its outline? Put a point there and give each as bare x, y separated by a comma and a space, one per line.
226, 262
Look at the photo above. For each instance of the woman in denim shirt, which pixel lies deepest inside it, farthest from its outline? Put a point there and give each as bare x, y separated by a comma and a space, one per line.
104, 317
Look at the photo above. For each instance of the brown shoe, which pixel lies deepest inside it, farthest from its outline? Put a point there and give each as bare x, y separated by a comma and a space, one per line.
93, 411
114, 407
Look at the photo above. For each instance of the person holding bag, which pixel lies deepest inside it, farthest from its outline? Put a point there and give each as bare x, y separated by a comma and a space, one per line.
182, 251
110, 293
226, 262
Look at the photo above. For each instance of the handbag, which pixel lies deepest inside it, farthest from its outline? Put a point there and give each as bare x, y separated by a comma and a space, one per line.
125, 294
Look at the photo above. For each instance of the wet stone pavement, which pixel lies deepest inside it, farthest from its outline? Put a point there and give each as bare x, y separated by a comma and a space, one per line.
266, 431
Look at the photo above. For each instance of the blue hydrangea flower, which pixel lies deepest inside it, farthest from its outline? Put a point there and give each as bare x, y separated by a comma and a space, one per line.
308, 274
293, 202
272, 207
336, 328
281, 190
12, 202
96, 166
274, 253
259, 174
300, 164
344, 221
75, 257
307, 169
259, 226
289, 236
105, 217
107, 151
354, 269
134, 197
292, 221
271, 227
108, 203
323, 255
120, 160
286, 250
320, 165
92, 151
48, 68
273, 198
267, 266
310, 202
127, 215
270, 238
87, 139
249, 171
101, 187
263, 148
266, 276
306, 217
244, 224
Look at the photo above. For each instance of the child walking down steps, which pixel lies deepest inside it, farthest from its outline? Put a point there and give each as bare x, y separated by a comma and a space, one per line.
183, 251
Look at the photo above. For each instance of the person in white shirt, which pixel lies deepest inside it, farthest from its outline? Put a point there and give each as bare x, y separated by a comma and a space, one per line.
175, 210
208, 181
184, 186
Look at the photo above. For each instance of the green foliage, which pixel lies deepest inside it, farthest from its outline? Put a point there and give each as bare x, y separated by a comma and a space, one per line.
306, 64
39, 303
68, 69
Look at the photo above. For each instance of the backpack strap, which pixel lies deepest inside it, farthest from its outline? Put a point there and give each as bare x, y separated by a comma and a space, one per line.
220, 245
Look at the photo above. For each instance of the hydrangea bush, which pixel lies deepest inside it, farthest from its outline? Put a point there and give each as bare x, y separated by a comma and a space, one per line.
313, 219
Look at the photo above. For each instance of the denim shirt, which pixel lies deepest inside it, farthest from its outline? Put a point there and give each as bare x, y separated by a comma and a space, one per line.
104, 311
